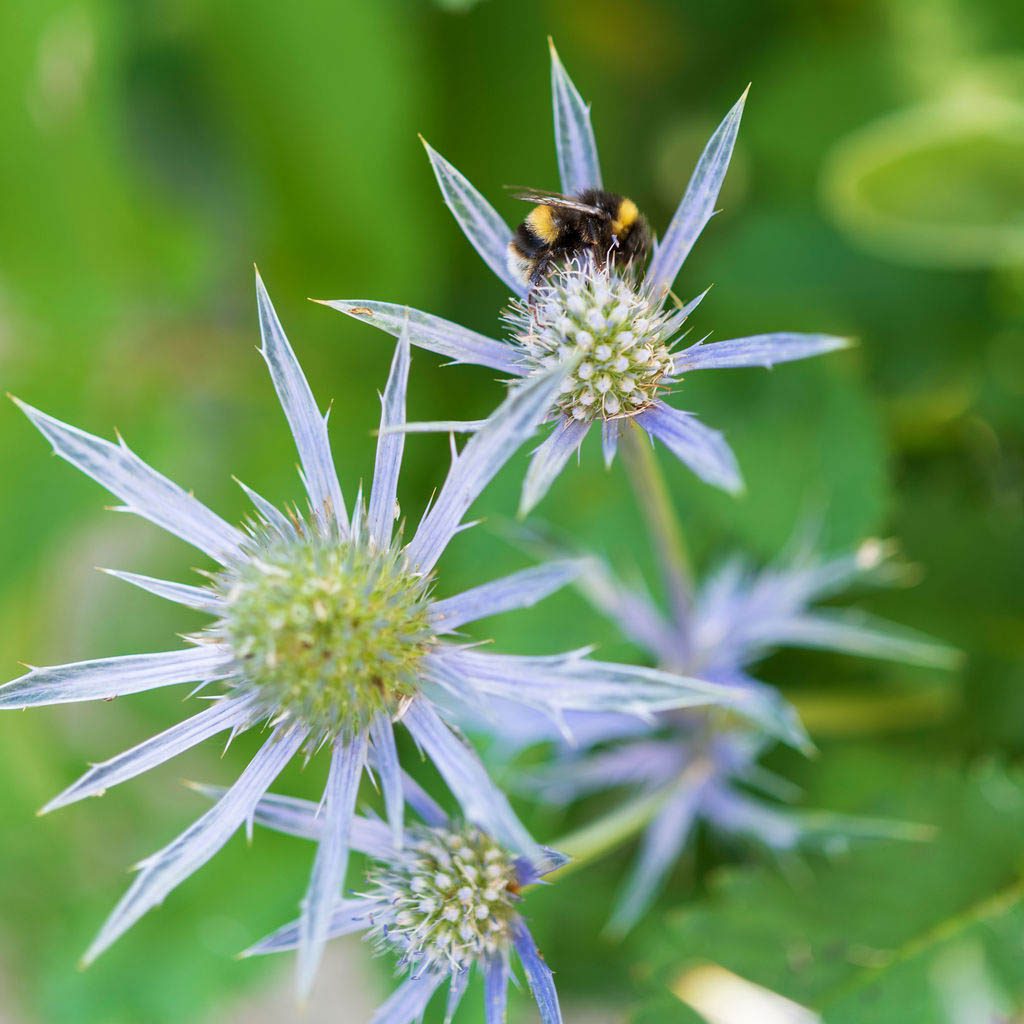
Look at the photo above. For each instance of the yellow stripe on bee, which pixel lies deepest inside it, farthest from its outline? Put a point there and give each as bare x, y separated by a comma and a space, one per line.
627, 217
541, 222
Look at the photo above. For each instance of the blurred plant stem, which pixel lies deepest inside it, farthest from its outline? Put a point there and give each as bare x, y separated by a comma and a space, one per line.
655, 504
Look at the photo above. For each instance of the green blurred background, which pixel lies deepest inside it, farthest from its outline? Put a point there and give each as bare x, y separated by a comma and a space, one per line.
151, 151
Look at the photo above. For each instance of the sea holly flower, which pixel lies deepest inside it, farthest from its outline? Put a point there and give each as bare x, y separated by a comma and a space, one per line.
444, 900
326, 627
705, 774
620, 322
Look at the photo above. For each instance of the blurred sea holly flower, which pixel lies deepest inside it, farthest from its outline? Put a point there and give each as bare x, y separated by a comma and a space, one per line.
442, 901
738, 617
620, 322
327, 629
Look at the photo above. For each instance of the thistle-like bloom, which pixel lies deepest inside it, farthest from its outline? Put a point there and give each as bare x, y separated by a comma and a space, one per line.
327, 629
736, 618
443, 901
620, 323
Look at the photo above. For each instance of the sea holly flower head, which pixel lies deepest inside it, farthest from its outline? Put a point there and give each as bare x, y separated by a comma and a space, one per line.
451, 897
737, 617
444, 901
616, 320
330, 631
326, 627
620, 337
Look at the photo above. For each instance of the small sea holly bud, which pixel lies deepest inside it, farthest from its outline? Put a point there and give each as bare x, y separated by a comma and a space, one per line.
451, 898
443, 903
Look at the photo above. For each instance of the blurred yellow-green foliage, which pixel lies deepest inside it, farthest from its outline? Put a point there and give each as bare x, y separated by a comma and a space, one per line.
151, 151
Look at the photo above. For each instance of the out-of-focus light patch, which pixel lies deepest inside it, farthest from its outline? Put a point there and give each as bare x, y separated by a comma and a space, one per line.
906, 186
967, 992
722, 997
67, 52
871, 553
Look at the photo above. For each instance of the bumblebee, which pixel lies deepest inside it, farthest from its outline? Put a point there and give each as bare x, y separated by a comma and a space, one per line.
594, 223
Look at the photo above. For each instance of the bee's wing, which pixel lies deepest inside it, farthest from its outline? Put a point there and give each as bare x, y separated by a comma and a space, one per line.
542, 198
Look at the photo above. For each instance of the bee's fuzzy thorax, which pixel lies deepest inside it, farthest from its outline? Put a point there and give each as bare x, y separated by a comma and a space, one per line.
594, 224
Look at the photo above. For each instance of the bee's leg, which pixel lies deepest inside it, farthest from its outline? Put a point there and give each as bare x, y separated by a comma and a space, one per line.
541, 269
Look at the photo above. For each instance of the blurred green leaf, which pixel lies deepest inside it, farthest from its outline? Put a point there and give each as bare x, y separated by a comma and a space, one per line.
858, 938
941, 185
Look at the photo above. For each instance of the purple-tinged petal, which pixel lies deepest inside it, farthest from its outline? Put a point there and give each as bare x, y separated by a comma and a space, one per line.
496, 976
423, 803
731, 812
479, 462
328, 875
520, 590
758, 350
697, 205
571, 682
853, 632
106, 678
481, 801
165, 870
516, 727
456, 990
480, 222
660, 849
704, 450
385, 760
288, 814
643, 763
308, 425
432, 333
528, 873
145, 492
578, 164
633, 611
304, 820
347, 916
202, 599
229, 713
390, 445
744, 609
549, 460
538, 974
409, 1001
